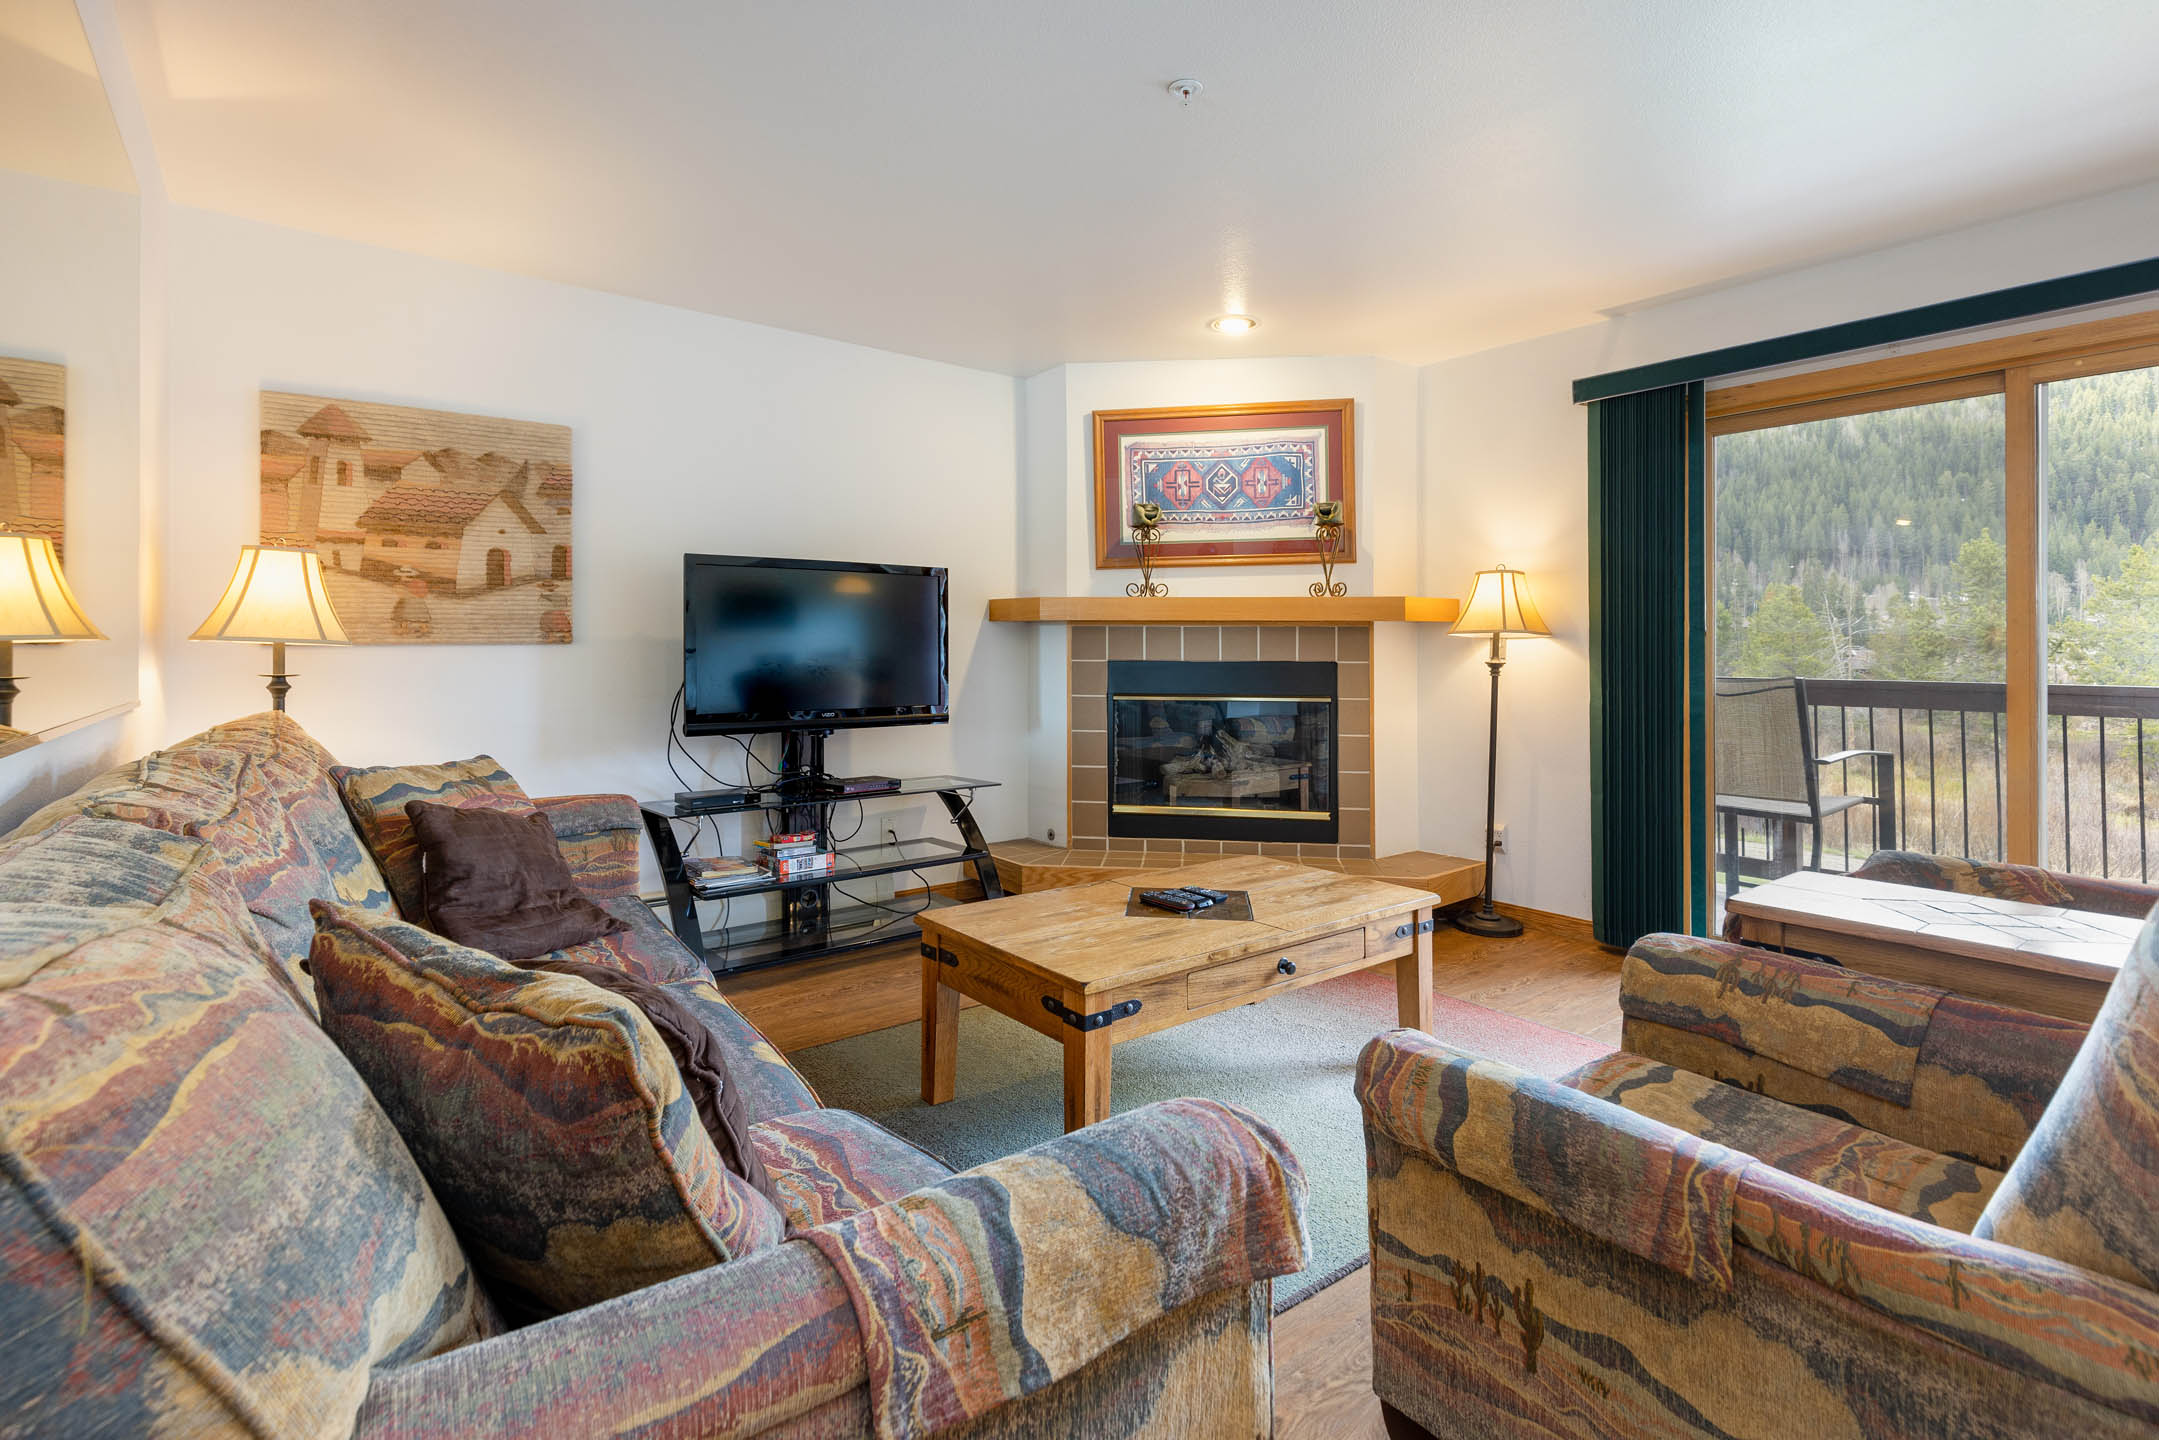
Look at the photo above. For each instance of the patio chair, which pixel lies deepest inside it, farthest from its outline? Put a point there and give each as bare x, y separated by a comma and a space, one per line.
1767, 769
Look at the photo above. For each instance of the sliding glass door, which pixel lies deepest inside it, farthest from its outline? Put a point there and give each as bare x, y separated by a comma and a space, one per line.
1860, 631
1936, 618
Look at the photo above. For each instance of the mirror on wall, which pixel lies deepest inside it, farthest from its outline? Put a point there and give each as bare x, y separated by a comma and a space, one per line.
70, 356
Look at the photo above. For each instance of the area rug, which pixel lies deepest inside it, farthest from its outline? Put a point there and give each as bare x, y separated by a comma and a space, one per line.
1291, 1061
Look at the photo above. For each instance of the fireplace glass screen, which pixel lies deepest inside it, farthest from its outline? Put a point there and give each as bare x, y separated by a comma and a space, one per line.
1250, 761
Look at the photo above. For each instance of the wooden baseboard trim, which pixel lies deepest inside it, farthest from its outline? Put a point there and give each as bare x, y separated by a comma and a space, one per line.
1570, 927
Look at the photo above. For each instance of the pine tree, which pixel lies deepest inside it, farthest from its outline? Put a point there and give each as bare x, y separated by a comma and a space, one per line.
1785, 637
2116, 640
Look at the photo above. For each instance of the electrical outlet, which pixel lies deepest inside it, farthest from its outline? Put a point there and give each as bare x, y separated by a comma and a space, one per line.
892, 836
1499, 839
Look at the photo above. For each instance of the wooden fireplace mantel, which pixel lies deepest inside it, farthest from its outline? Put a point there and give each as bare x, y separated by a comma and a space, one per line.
1224, 609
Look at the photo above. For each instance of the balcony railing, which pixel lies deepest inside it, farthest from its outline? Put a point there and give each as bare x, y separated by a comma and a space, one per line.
1948, 738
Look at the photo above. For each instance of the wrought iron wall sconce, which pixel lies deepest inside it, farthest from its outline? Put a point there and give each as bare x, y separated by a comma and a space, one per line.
1327, 527
1147, 535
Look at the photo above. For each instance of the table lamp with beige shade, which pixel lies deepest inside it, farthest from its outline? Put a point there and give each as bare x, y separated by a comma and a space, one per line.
275, 598
36, 608
1500, 607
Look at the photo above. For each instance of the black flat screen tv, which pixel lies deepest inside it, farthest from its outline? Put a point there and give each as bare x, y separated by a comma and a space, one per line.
811, 645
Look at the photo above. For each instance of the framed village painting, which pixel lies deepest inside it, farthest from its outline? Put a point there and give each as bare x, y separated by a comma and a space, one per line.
33, 449
1236, 483
434, 528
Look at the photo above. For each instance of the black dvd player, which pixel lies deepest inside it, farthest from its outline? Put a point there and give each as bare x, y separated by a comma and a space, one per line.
690, 802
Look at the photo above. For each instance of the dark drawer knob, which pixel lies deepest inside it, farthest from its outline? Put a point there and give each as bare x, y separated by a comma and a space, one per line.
1285, 966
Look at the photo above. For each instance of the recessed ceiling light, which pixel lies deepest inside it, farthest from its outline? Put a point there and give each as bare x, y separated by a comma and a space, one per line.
1232, 324
1905, 521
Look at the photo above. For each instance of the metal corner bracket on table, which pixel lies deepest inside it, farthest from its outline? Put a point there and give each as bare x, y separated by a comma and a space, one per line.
1122, 1010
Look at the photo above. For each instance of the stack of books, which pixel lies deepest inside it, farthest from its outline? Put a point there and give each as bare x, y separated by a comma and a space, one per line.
723, 872
794, 856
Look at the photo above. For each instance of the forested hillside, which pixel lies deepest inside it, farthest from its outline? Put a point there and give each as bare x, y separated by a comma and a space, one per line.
1871, 546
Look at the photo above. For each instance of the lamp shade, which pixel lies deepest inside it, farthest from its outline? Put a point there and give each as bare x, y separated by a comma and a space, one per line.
35, 603
276, 596
1500, 605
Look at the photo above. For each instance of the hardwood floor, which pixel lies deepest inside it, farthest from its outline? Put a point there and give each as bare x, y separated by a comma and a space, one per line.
1323, 1365
1554, 974
798, 1006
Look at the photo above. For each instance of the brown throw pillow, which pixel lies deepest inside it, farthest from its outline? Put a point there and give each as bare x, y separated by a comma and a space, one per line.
697, 1056
496, 881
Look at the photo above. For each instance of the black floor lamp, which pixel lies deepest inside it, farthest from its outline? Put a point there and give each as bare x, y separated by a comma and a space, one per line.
1500, 606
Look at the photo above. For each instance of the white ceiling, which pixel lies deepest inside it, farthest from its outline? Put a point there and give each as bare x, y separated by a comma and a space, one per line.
53, 116
1006, 184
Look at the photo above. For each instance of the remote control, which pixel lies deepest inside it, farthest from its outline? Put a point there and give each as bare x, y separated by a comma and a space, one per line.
1212, 897
1169, 900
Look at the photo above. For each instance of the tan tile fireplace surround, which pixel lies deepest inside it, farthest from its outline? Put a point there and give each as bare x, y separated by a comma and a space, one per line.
1091, 649
1101, 629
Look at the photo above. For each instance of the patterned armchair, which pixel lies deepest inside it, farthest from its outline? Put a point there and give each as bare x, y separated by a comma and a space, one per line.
2004, 881
1754, 1220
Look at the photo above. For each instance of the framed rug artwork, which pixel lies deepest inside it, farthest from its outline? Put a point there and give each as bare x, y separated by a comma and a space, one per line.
434, 528
1236, 483
33, 449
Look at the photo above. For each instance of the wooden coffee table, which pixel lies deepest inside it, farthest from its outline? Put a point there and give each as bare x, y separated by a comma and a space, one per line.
2035, 957
1071, 964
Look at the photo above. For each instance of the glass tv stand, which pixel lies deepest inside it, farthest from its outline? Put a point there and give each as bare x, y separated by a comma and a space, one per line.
809, 924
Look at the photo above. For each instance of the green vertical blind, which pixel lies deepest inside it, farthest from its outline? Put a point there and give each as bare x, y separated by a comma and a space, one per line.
1647, 652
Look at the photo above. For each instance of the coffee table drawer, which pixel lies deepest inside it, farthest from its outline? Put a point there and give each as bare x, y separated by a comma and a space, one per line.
1272, 969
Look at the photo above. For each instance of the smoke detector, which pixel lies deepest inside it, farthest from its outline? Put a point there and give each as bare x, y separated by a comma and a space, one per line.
1186, 91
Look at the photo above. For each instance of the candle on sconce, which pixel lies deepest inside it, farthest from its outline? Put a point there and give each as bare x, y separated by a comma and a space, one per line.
1327, 526
1147, 535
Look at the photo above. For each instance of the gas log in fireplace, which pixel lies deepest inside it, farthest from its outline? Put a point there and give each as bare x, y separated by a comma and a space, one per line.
1223, 750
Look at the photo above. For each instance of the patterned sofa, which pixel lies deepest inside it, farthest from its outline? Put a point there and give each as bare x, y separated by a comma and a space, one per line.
208, 1227
1755, 1219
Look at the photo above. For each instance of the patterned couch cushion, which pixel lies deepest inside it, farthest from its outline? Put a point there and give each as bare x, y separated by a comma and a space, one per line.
205, 1219
1860, 1032
828, 1164
2085, 1188
1831, 1153
643, 947
376, 797
770, 1086
258, 789
545, 1111
1983, 1076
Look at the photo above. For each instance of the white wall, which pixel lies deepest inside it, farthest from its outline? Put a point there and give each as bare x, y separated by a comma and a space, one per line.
1057, 485
1505, 472
69, 271
697, 433
690, 433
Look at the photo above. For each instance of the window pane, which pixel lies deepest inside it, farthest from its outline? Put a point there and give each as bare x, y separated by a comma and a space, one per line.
2099, 463
1862, 557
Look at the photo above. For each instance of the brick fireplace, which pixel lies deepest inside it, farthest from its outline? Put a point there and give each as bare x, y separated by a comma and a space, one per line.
1315, 795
